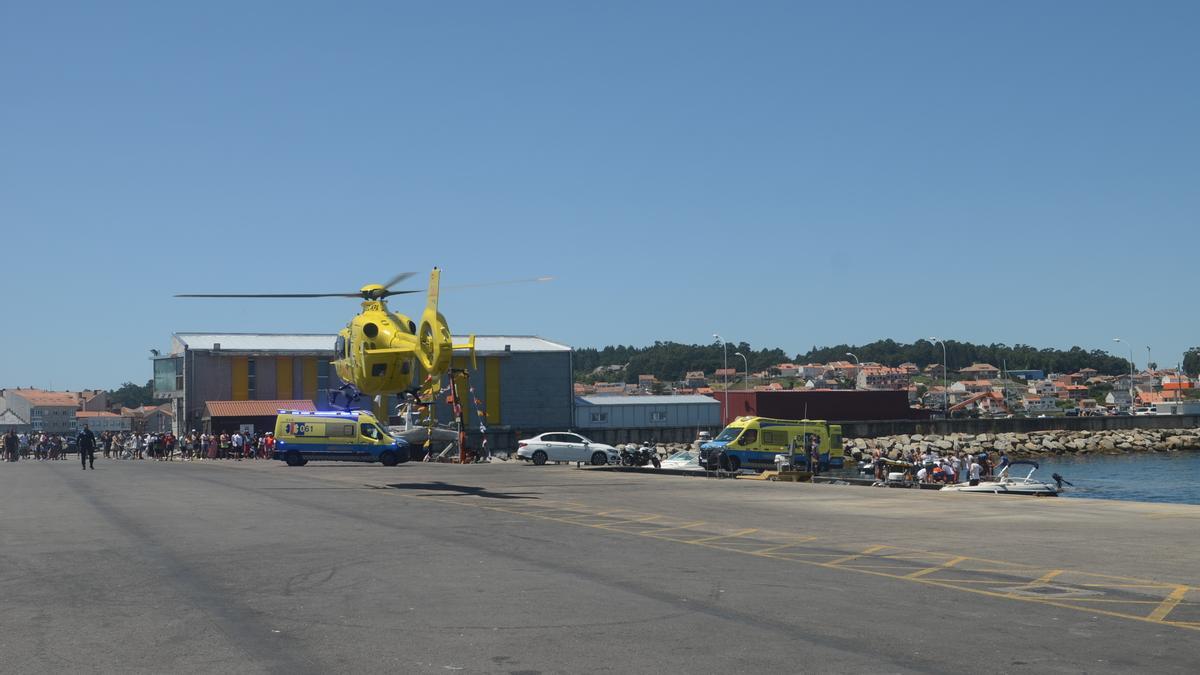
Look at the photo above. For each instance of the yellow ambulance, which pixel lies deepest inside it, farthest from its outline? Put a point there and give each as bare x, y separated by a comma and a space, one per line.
353, 436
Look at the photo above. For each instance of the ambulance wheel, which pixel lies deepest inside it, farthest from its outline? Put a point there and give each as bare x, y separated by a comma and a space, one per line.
735, 464
539, 458
599, 458
293, 458
388, 458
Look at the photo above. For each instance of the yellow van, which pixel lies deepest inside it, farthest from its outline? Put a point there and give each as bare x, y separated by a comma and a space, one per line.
354, 436
753, 442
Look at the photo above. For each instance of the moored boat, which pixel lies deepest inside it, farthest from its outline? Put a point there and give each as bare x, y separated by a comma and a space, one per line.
1006, 484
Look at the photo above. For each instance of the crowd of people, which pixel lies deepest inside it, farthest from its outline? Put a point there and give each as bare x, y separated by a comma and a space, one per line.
129, 445
42, 447
931, 467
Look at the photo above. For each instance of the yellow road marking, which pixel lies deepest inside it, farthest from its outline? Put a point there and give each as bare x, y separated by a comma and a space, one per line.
1169, 604
856, 556
702, 540
1045, 578
1158, 616
685, 526
930, 570
772, 549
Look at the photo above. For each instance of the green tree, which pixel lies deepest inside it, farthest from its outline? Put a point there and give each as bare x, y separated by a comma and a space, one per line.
131, 395
1191, 361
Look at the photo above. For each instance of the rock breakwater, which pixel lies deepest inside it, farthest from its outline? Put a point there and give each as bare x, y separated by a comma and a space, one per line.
1035, 443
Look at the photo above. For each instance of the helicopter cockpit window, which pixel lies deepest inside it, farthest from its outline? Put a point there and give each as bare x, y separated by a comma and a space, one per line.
340, 346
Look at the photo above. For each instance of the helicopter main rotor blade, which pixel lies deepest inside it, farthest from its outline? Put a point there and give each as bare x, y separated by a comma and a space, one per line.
531, 280
398, 278
388, 294
267, 295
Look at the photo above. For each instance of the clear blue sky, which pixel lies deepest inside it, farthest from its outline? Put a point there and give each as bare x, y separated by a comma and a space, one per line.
788, 174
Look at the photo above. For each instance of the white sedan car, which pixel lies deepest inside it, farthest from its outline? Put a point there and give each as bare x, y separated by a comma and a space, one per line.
564, 446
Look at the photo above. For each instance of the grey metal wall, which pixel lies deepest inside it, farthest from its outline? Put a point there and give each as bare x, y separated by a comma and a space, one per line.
640, 416
536, 390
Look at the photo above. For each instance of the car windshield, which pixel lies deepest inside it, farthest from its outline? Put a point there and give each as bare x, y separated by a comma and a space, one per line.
728, 434
374, 432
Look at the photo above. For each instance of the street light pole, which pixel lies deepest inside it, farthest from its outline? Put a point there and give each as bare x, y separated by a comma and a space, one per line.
725, 354
1130, 373
857, 368
1147, 357
746, 363
945, 378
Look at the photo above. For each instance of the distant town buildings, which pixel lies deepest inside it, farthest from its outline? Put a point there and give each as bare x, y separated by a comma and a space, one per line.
65, 412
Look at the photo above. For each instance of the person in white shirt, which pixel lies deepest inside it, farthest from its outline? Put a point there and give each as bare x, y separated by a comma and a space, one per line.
976, 470
237, 442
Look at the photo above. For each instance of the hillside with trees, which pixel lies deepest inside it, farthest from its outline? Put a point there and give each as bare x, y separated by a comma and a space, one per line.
1191, 361
669, 361
131, 395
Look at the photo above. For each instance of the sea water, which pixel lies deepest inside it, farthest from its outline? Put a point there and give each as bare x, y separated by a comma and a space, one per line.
1143, 477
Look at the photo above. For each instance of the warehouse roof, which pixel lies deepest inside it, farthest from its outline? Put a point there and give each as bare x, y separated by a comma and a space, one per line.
323, 342
254, 408
643, 400
517, 343
258, 342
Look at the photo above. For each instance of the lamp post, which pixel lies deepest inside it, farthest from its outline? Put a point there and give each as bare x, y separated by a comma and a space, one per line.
746, 364
1147, 357
945, 378
725, 355
857, 367
1117, 339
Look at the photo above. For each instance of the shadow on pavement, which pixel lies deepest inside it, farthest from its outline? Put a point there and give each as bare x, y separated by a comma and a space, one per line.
464, 490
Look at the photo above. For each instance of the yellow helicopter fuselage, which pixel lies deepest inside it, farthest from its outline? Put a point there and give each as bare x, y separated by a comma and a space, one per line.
379, 351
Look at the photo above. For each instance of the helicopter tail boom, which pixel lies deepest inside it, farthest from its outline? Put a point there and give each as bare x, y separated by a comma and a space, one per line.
470, 348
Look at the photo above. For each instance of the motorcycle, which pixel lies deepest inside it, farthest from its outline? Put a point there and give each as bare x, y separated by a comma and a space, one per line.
627, 457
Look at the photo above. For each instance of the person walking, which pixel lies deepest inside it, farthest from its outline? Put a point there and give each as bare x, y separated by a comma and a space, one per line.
11, 446
86, 442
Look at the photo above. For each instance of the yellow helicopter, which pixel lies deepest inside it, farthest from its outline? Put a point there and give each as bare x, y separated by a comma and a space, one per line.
378, 351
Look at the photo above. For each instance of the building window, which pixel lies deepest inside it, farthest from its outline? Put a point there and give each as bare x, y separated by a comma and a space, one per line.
323, 375
251, 379
599, 417
168, 375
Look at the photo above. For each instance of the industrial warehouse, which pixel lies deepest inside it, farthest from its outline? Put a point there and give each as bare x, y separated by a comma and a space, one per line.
520, 384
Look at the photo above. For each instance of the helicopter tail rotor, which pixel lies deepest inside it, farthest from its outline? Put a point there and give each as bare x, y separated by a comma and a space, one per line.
436, 344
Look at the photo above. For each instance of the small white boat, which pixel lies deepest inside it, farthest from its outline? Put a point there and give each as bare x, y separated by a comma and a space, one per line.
416, 433
685, 460
1006, 484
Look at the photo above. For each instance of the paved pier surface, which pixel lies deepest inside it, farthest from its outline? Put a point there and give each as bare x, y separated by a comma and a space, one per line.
230, 567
